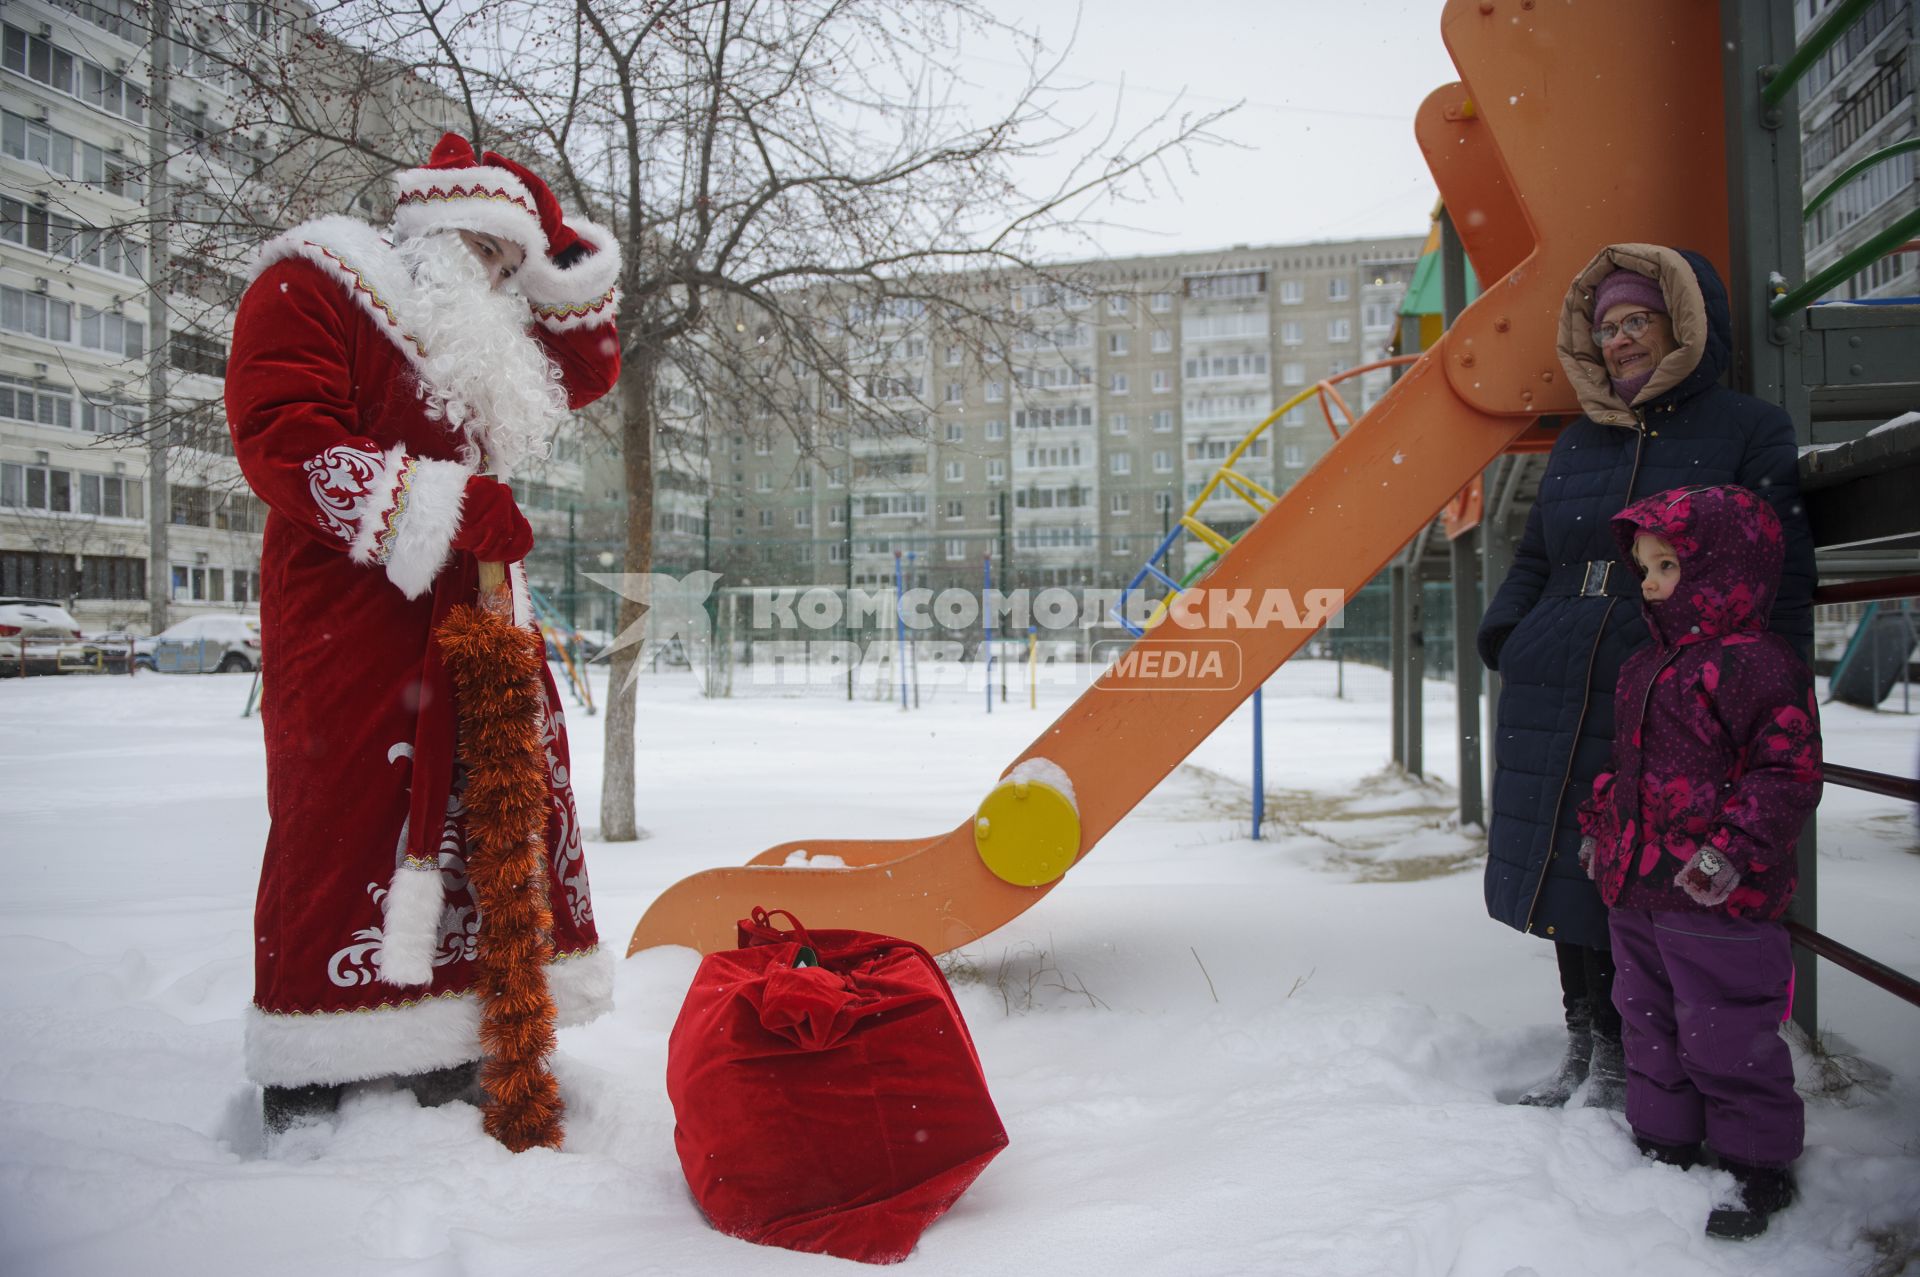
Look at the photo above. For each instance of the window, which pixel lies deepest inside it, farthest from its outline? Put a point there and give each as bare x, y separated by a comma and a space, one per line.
1293, 374
1121, 544
1294, 416
996, 470
114, 577
189, 507
837, 552
1250, 283
1162, 380
193, 352
953, 356
1118, 385
1204, 367
955, 432
763, 447
836, 476
1237, 325
996, 391
1163, 503
763, 482
1339, 288
1116, 343
766, 518
39, 59
1339, 330
36, 488
1162, 340
1290, 332
1162, 461
956, 510
997, 428
955, 392
836, 515
1120, 463
1116, 423
803, 480
41, 405
956, 548
1160, 303
1119, 304
1376, 316
1120, 503
1163, 420
956, 471
803, 517
36, 315
1292, 293
1290, 456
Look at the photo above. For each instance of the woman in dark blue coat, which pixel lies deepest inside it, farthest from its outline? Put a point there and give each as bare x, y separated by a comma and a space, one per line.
1644, 338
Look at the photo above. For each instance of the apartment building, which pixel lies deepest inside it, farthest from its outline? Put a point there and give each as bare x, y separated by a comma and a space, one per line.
1858, 100
1068, 452
79, 506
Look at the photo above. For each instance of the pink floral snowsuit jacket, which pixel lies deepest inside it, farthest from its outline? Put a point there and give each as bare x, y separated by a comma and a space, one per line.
1717, 731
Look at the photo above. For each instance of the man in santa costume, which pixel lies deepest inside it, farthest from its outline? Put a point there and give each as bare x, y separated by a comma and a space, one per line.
377, 382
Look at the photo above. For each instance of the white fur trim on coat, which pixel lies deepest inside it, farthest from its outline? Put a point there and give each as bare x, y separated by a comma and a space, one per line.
424, 523
413, 1037
582, 986
411, 932
363, 261
585, 294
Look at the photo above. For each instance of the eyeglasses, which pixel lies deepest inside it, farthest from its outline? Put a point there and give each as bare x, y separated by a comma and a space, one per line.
1633, 325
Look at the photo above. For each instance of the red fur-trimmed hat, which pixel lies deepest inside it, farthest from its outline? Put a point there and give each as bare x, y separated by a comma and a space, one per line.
572, 270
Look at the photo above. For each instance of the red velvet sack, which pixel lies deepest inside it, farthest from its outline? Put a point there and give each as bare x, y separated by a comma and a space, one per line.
826, 1093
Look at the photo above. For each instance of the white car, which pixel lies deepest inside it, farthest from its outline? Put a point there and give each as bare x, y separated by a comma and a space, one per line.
38, 636
217, 643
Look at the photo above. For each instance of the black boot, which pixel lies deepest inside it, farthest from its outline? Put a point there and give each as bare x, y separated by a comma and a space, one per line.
1761, 1193
1556, 1090
284, 1107
443, 1086
1607, 1074
1685, 1156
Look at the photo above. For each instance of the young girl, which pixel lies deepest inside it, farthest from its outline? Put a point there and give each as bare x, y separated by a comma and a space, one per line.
1716, 766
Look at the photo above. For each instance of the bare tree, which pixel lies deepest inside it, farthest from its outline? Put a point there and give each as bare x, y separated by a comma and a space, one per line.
786, 178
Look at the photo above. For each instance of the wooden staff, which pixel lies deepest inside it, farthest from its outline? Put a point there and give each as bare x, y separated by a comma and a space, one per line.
495, 667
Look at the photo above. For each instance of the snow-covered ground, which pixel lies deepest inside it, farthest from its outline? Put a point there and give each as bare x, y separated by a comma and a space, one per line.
1212, 1055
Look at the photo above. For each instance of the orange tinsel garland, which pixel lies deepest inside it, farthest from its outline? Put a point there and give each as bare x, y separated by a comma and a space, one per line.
495, 666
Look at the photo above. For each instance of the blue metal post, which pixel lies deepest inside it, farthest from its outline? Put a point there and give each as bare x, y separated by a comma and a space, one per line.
1259, 764
986, 618
900, 628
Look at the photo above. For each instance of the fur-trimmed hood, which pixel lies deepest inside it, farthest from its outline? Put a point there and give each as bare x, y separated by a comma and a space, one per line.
1696, 305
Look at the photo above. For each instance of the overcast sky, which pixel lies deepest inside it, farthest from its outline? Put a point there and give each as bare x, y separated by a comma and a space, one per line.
1324, 144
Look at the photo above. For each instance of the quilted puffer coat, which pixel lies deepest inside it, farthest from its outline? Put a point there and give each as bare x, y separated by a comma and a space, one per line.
1718, 728
1566, 617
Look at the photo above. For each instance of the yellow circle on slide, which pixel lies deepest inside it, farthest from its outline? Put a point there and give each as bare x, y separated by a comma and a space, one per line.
1027, 832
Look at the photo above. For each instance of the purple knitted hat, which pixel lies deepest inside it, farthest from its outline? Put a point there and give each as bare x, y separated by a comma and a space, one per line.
1627, 286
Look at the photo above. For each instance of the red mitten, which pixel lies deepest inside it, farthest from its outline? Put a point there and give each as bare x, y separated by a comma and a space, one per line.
492, 529
1707, 878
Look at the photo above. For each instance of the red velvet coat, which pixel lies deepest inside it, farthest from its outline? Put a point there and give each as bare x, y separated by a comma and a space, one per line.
365, 924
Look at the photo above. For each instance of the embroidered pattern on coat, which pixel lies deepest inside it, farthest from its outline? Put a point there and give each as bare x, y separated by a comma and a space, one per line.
345, 483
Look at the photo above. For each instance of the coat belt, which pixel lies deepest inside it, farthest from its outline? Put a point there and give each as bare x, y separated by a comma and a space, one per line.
1593, 579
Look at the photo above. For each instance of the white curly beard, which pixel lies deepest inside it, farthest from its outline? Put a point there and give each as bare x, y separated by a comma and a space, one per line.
483, 373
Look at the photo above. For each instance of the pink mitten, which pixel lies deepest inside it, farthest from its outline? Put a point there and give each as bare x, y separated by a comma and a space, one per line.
1707, 878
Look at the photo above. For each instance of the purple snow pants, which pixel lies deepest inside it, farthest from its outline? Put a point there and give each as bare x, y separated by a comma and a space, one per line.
1700, 998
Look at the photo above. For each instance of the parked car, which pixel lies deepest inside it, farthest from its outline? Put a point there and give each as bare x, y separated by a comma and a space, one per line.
218, 643
39, 636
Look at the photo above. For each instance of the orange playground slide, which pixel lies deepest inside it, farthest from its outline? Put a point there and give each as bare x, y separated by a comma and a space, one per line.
1572, 126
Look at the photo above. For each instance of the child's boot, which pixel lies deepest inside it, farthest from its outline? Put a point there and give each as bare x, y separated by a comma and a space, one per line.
1760, 1193
1607, 1074
1556, 1090
1685, 1156
284, 1107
